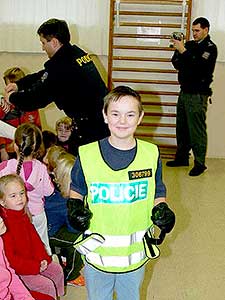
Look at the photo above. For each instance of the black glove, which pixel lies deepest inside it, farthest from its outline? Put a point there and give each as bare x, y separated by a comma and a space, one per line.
79, 216
163, 217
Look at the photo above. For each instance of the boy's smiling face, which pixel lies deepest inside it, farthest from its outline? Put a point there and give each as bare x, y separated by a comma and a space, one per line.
123, 117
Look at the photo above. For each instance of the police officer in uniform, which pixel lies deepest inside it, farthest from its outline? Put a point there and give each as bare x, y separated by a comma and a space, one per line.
70, 79
195, 62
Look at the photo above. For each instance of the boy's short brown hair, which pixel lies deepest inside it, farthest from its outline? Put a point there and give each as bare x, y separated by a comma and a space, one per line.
119, 92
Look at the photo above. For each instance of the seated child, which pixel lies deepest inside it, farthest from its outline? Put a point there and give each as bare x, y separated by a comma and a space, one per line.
61, 234
64, 129
27, 142
23, 247
51, 155
11, 287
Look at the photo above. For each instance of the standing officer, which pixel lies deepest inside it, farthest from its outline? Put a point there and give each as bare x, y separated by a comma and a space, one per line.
70, 79
195, 62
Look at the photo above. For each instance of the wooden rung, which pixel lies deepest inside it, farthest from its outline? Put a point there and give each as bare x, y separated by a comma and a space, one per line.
165, 93
170, 151
121, 47
150, 13
167, 146
166, 125
143, 36
167, 155
160, 114
142, 24
161, 2
147, 70
155, 103
159, 135
171, 82
135, 58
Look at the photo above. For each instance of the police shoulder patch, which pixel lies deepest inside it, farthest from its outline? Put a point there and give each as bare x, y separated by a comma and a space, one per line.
205, 55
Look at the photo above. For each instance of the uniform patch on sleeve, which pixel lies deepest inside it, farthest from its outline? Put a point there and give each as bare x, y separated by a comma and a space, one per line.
206, 55
140, 174
83, 60
44, 76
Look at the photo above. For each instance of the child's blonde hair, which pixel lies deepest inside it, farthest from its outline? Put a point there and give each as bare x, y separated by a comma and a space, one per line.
66, 121
6, 179
53, 154
13, 74
62, 173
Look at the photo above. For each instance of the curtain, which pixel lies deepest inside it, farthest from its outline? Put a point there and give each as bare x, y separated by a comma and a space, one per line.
87, 20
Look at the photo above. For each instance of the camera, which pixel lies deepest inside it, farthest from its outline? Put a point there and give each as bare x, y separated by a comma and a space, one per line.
176, 36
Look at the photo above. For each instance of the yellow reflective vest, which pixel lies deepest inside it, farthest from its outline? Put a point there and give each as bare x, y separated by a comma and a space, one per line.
121, 202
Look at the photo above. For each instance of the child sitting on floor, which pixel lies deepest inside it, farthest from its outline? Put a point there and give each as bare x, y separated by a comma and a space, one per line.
27, 142
23, 247
61, 234
11, 287
64, 129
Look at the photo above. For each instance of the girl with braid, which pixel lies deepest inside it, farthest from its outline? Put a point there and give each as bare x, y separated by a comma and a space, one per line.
27, 143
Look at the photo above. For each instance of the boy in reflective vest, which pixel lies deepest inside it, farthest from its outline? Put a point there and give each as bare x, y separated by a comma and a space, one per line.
117, 193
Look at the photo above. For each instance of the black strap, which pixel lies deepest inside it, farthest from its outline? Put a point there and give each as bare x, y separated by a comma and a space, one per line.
155, 241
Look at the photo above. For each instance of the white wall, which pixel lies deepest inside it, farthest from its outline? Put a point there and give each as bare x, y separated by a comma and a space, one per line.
216, 114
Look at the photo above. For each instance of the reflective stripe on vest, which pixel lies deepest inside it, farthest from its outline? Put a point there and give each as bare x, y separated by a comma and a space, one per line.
116, 261
123, 241
94, 240
89, 244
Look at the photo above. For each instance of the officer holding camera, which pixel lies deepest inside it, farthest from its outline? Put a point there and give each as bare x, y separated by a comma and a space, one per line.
195, 61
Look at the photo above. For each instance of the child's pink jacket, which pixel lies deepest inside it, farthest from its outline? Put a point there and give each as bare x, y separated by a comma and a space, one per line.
36, 179
10, 285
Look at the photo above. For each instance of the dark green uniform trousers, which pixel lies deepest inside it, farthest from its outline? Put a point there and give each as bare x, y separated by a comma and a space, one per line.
191, 126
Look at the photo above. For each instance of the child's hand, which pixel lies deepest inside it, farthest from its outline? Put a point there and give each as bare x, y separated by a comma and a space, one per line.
5, 106
11, 87
44, 265
4, 154
2, 226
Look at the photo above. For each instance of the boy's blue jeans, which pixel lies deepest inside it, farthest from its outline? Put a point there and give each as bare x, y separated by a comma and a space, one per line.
101, 285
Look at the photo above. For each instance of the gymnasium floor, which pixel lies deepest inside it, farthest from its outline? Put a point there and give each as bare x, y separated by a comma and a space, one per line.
192, 261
